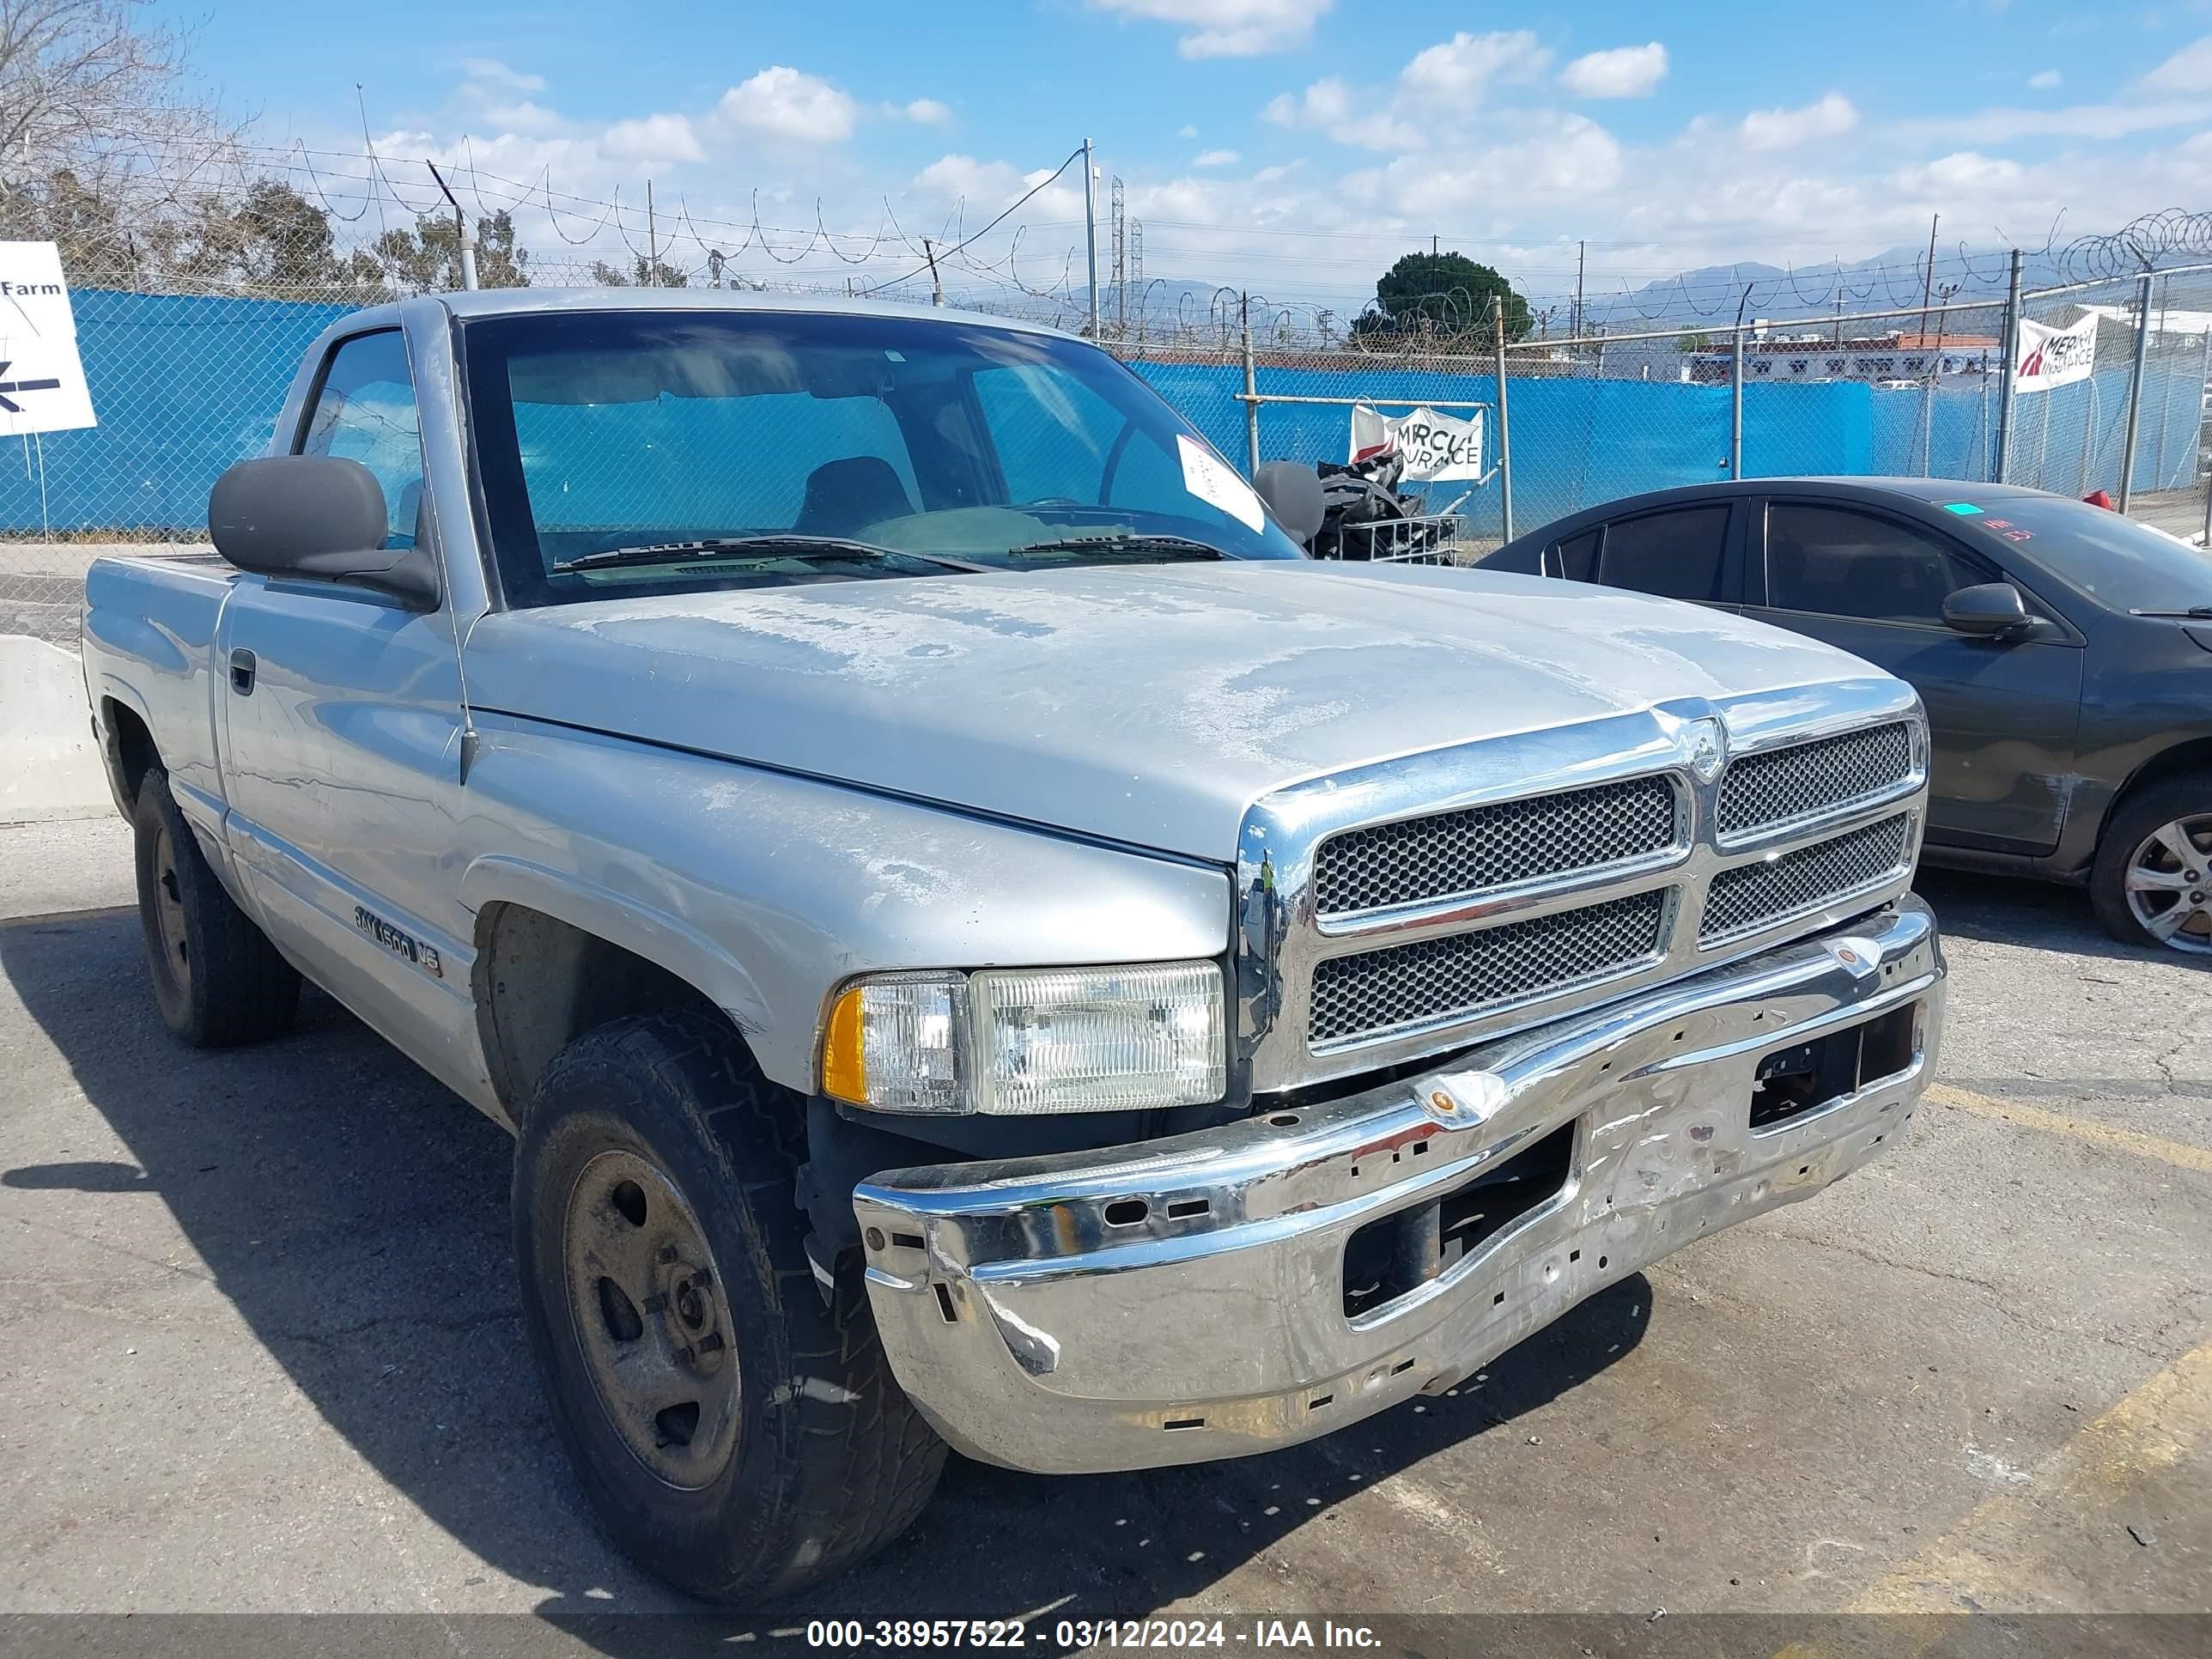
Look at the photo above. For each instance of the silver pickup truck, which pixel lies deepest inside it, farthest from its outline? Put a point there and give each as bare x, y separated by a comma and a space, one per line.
980, 943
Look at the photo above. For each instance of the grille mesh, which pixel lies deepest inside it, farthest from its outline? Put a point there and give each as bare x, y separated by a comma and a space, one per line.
1751, 895
1374, 990
1811, 777
1484, 847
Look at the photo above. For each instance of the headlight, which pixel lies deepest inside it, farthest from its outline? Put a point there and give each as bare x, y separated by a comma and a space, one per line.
1015, 1041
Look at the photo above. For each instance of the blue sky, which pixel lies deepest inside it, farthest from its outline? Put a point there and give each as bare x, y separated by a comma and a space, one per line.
1297, 144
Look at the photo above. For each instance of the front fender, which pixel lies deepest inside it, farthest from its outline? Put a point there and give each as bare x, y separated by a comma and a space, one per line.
767, 891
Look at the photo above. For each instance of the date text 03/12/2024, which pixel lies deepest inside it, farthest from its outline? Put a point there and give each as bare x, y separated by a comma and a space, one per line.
1165, 1635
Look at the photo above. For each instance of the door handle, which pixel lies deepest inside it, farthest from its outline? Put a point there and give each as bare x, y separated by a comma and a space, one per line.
242, 664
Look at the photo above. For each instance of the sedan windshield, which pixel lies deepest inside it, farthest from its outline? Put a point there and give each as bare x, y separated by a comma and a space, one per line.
629, 451
2115, 561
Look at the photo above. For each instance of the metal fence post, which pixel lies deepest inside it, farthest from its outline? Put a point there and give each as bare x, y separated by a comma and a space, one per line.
1735, 407
2011, 372
2135, 388
1251, 392
1091, 230
1505, 433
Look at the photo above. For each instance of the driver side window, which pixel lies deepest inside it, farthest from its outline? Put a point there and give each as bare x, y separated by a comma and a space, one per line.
1837, 561
364, 410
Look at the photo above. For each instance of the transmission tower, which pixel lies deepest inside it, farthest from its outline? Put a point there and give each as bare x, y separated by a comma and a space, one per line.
1137, 270
1121, 279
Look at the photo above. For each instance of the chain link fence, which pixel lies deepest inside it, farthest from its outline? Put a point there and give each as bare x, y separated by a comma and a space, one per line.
1918, 392
188, 357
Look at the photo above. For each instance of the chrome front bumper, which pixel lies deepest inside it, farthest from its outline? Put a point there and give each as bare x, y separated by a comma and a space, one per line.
1184, 1299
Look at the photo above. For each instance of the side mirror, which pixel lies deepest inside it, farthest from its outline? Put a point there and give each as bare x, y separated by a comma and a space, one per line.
1988, 611
1292, 494
316, 518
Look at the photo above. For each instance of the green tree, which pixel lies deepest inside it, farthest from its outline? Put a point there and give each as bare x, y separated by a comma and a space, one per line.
1448, 293
271, 241
428, 257
1693, 340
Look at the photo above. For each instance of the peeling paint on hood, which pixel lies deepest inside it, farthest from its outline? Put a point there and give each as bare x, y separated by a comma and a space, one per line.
1149, 704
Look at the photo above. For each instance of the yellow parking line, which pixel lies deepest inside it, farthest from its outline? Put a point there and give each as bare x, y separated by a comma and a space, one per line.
2013, 1551
2107, 1135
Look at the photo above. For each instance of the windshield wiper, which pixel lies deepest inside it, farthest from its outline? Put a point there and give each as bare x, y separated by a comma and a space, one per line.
2187, 613
1179, 546
777, 546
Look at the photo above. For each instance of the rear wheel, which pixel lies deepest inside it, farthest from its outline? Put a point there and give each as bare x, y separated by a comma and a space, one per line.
739, 1435
217, 978
2152, 883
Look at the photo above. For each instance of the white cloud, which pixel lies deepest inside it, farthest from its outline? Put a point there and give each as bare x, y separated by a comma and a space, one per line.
1786, 128
1228, 28
1621, 72
2004, 124
2189, 69
1216, 158
653, 138
1556, 155
1349, 116
1186, 131
929, 112
1965, 173
1463, 67
2045, 80
491, 72
784, 103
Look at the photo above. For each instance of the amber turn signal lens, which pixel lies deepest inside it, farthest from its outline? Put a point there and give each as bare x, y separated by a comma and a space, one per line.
844, 1061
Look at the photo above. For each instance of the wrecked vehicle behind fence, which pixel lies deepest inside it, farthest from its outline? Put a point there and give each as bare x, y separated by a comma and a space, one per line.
978, 942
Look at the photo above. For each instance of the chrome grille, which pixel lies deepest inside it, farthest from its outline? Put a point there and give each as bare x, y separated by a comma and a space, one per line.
1479, 848
1444, 978
1754, 895
1781, 784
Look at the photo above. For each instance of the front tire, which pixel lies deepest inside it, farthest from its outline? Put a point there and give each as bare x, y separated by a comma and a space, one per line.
217, 978
737, 1436
2152, 882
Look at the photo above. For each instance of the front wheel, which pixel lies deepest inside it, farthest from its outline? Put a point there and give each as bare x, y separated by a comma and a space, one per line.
739, 1435
2152, 882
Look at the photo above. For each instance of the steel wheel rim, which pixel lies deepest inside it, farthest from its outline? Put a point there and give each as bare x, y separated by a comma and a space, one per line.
2169, 883
169, 917
651, 1320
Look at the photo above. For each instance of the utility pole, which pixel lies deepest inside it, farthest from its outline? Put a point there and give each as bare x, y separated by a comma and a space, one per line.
1928, 279
1581, 248
1091, 230
652, 240
936, 288
1432, 245
1839, 306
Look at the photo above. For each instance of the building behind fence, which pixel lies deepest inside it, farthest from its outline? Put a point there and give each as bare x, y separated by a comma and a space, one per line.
183, 385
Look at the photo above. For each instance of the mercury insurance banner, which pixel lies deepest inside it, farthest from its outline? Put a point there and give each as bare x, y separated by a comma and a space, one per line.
2054, 356
1435, 446
42, 385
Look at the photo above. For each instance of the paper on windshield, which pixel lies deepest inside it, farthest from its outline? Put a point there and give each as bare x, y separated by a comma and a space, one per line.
1208, 477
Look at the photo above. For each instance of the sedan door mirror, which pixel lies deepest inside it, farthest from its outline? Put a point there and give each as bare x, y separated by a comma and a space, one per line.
1989, 611
316, 518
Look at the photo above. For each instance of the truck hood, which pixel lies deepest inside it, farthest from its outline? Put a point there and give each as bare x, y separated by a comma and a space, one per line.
1149, 704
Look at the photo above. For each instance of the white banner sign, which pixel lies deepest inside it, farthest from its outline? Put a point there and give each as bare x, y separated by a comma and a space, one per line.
2054, 356
42, 385
1435, 446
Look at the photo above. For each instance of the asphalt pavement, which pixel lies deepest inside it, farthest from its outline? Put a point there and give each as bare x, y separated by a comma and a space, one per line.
259, 1352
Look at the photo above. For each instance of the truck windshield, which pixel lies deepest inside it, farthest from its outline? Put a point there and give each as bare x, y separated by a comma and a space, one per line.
700, 447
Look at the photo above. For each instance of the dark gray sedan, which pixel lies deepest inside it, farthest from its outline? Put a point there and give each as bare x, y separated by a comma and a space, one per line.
2064, 653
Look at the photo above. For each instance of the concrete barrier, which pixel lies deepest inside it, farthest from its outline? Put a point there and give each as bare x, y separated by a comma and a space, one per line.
50, 767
